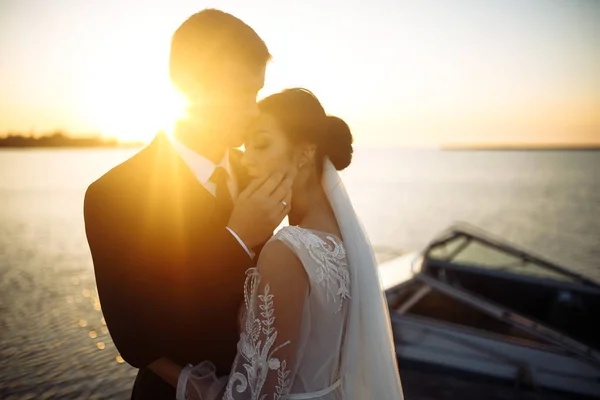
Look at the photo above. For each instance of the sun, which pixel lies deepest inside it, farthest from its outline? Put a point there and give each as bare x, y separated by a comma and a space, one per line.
133, 107
139, 113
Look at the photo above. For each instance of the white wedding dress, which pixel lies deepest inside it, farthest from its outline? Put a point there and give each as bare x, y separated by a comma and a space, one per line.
277, 361
326, 336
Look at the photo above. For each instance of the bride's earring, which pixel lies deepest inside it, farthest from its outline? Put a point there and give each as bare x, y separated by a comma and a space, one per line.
306, 156
301, 161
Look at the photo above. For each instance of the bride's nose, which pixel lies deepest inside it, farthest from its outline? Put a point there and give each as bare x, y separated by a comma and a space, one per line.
245, 161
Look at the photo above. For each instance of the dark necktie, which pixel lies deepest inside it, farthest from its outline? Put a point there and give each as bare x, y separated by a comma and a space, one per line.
222, 194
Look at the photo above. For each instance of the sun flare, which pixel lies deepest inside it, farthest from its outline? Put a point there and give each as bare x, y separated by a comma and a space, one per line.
134, 107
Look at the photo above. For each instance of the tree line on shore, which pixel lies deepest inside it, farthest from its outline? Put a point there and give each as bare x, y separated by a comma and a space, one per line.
59, 139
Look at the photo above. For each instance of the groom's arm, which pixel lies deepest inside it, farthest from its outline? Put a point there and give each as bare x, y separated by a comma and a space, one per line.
248, 251
157, 286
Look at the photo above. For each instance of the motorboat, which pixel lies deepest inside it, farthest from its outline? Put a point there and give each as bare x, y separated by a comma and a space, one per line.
473, 303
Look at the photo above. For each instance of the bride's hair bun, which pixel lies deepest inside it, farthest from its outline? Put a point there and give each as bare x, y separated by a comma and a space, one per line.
303, 119
337, 143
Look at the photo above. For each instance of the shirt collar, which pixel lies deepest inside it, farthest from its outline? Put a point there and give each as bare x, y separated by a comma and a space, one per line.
201, 166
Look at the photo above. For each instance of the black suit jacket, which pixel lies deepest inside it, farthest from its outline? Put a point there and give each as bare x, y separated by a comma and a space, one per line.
170, 277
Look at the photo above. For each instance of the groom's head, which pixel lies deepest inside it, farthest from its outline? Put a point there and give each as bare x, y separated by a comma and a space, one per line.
218, 62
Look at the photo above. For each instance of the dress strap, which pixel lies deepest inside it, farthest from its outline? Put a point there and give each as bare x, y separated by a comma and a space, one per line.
315, 395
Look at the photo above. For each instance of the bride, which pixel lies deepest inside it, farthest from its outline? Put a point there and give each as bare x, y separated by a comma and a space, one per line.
314, 324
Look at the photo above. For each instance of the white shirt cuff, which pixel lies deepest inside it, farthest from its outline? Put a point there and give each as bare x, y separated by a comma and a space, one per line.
246, 249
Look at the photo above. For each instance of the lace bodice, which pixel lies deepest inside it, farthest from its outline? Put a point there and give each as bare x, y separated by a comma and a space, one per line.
290, 344
327, 260
295, 308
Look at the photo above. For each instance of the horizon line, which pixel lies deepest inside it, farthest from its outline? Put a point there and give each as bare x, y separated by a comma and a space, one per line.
433, 146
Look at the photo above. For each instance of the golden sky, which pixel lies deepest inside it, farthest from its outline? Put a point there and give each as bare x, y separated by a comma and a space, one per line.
400, 72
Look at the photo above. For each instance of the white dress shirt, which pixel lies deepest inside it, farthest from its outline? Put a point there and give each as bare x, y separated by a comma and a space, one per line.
203, 169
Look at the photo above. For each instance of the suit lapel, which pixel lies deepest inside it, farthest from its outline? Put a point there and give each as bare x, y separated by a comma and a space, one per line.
177, 181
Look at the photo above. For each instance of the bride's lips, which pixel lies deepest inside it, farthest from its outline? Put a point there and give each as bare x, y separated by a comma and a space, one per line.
253, 173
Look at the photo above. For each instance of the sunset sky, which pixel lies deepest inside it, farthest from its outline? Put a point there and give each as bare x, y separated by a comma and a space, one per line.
400, 72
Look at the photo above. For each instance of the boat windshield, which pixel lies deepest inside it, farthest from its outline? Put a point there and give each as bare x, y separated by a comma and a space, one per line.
465, 249
521, 283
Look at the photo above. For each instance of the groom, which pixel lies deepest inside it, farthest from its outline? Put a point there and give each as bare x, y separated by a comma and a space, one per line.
172, 230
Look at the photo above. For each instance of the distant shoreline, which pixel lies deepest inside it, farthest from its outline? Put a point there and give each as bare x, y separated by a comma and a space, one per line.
59, 140
519, 148
33, 148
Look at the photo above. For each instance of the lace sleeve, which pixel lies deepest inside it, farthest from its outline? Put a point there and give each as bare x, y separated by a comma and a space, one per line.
275, 296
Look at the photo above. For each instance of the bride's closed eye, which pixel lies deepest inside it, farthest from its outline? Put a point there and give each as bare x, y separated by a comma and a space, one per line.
260, 145
259, 141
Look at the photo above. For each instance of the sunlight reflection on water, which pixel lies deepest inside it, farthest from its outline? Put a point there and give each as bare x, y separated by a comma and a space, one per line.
54, 340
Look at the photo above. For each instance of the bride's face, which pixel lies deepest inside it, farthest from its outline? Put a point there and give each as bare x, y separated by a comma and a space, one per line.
268, 150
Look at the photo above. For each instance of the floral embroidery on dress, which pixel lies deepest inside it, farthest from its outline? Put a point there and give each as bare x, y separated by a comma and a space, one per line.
329, 256
258, 357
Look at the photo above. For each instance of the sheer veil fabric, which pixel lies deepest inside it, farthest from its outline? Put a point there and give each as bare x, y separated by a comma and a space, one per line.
368, 358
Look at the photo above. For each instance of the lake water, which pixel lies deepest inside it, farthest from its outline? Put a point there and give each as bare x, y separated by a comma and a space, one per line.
53, 341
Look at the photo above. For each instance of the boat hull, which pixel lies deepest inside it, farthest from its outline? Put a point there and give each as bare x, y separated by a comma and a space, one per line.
452, 347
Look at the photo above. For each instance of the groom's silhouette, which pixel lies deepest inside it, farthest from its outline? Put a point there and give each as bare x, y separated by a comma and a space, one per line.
169, 253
